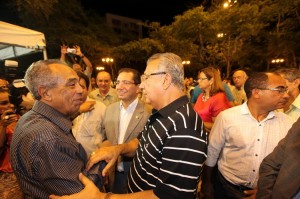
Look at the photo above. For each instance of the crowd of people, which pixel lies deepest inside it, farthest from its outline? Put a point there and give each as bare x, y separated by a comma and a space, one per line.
155, 135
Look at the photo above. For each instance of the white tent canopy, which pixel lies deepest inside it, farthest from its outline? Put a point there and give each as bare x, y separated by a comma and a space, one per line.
16, 40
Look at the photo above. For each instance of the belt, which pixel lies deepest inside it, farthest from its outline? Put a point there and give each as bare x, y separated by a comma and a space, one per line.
240, 188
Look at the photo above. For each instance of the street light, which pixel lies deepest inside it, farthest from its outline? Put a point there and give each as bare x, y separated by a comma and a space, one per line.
220, 35
229, 3
187, 62
276, 61
109, 61
100, 68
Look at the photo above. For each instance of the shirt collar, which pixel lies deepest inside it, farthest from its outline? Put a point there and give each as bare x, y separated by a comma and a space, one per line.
53, 115
176, 104
131, 106
245, 111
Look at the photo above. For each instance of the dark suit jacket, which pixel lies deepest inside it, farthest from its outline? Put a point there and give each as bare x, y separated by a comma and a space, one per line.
279, 173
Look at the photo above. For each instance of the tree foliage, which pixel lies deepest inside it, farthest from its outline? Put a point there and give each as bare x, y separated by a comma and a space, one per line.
253, 33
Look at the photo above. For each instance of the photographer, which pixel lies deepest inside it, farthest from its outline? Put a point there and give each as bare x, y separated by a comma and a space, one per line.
73, 54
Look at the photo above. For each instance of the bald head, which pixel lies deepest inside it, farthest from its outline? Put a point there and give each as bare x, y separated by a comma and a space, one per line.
239, 78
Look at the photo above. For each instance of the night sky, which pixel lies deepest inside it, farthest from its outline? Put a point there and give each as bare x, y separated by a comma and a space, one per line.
152, 10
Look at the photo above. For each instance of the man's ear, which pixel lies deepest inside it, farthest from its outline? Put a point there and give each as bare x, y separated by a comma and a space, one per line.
256, 92
167, 81
45, 93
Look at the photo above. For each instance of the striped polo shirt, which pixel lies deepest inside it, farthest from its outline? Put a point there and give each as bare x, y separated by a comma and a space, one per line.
171, 152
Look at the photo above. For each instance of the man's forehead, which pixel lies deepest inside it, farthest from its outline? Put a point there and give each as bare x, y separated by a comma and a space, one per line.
239, 73
103, 75
152, 66
276, 80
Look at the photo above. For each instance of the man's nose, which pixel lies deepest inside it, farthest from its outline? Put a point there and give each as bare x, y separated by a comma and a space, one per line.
141, 86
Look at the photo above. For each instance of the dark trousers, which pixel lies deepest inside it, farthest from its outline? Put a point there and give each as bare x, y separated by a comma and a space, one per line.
226, 190
120, 183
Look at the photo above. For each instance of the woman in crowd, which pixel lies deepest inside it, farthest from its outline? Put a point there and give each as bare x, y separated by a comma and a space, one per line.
213, 99
8, 120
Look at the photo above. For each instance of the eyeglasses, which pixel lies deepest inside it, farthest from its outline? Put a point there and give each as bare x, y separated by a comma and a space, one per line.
105, 81
144, 77
125, 82
201, 79
280, 89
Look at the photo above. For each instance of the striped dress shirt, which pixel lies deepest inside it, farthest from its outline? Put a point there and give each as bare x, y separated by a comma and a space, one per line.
45, 156
171, 152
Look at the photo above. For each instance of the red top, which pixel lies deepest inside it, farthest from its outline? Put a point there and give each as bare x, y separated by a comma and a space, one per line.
212, 107
5, 165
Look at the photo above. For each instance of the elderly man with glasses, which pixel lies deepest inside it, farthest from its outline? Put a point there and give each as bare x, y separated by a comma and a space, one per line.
243, 135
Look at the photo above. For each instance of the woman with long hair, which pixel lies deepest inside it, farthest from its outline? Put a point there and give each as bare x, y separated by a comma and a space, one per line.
213, 99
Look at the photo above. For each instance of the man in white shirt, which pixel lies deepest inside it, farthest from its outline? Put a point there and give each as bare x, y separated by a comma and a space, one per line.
88, 126
243, 135
123, 121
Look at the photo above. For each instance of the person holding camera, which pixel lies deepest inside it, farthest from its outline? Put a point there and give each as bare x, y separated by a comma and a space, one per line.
74, 53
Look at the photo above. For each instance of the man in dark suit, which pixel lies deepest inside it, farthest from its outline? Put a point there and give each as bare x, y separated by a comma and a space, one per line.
123, 121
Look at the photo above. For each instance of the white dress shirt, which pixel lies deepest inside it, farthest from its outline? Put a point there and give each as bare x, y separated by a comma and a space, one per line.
239, 143
125, 117
88, 128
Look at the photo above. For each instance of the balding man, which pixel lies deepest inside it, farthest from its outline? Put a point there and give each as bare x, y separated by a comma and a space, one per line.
239, 78
105, 93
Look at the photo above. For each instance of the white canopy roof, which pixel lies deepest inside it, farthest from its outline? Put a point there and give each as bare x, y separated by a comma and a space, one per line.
16, 40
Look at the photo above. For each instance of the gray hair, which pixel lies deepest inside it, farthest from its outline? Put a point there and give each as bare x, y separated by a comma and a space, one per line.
290, 74
40, 74
172, 64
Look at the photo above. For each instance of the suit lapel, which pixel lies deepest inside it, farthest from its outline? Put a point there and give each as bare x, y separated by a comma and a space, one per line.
116, 119
135, 119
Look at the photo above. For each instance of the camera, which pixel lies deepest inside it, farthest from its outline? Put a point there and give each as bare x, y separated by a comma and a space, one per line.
71, 50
